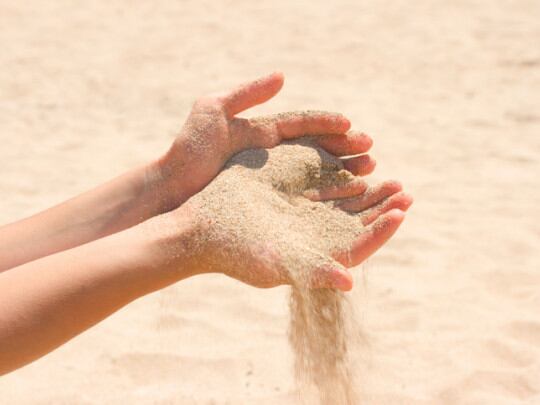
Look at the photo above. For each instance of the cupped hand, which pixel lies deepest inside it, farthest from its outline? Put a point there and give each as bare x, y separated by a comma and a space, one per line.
250, 228
213, 133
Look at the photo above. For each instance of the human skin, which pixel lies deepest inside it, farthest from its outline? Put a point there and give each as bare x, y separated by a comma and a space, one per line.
210, 136
247, 232
46, 302
61, 277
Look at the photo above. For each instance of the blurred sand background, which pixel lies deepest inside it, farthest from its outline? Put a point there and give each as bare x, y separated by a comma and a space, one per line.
450, 90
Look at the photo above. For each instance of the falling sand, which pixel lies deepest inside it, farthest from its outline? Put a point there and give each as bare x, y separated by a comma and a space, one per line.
257, 208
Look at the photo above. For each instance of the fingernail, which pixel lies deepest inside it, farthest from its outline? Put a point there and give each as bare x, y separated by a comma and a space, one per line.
342, 281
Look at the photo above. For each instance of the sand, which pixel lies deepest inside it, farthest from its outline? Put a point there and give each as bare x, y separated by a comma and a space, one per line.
256, 208
448, 90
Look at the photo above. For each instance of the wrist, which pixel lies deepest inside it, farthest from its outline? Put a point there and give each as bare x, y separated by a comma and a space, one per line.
172, 245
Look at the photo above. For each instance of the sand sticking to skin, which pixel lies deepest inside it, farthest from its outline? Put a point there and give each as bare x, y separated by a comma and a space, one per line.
258, 210
450, 92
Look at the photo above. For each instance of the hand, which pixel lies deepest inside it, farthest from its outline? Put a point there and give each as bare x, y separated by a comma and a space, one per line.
213, 133
249, 234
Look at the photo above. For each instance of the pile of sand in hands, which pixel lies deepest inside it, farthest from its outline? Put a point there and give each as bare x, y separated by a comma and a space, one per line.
264, 231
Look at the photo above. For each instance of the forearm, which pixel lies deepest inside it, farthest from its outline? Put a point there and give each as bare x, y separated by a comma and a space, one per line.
114, 206
46, 302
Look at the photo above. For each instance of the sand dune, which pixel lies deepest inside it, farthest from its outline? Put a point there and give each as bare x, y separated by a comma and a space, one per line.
449, 90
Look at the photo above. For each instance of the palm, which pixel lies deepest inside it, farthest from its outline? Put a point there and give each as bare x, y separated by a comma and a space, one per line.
254, 237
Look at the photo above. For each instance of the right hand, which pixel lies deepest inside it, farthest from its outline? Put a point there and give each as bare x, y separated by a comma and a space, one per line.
260, 261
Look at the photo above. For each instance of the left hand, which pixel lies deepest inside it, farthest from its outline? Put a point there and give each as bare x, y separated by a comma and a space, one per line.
213, 133
219, 231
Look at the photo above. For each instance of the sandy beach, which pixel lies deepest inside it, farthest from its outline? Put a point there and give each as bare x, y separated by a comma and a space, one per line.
450, 92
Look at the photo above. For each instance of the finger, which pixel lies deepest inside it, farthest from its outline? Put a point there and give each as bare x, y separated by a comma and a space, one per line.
372, 196
296, 124
334, 192
372, 239
401, 201
300, 123
331, 275
250, 94
360, 165
352, 143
